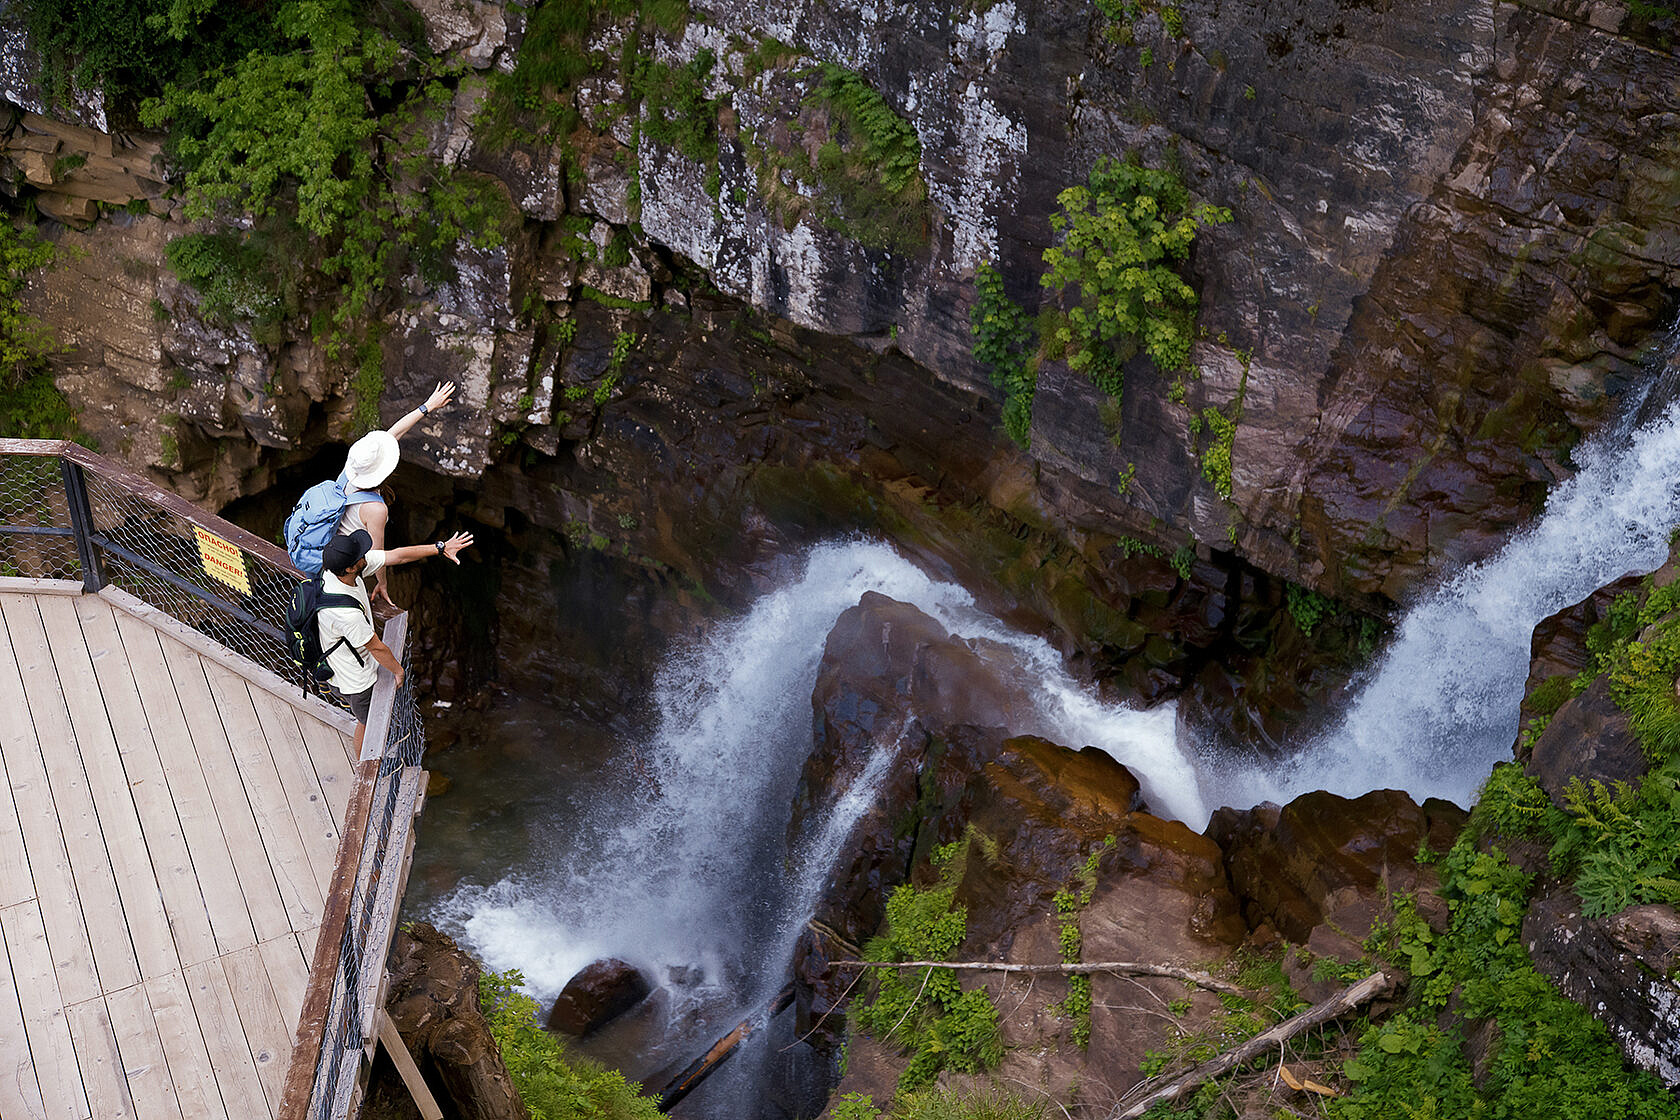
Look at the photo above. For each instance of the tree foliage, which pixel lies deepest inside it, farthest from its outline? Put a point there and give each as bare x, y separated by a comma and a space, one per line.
1122, 233
298, 133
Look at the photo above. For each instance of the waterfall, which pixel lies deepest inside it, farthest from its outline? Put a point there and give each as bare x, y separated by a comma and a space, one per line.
680, 866
1440, 706
683, 870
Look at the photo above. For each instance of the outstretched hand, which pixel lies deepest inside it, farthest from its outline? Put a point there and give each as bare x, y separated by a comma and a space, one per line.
455, 544
440, 396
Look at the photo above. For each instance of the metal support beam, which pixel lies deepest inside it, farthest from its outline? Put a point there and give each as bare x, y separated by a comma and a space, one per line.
81, 520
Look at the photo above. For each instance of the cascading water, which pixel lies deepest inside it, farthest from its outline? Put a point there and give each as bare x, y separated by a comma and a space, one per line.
679, 865
1440, 707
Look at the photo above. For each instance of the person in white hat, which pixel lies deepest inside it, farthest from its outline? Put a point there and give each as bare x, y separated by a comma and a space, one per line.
370, 462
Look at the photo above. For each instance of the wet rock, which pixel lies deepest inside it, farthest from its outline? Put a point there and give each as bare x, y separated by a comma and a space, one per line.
594, 997
892, 679
433, 1000
1589, 738
1292, 865
1620, 968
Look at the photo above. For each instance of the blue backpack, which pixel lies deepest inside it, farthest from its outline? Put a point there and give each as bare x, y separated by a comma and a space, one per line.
314, 520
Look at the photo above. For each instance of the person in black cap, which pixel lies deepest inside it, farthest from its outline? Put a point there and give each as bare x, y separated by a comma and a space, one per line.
355, 650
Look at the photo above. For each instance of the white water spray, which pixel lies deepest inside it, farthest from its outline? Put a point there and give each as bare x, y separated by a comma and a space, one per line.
1440, 707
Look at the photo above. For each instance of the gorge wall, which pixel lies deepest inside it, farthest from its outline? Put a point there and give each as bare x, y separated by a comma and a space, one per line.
1453, 242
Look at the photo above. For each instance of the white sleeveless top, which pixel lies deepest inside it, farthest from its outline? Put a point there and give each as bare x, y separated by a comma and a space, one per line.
351, 519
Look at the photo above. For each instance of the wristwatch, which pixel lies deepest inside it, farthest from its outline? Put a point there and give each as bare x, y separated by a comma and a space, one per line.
439, 547
424, 410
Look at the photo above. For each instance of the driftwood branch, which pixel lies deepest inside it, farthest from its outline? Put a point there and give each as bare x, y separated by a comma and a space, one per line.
1121, 968
1374, 986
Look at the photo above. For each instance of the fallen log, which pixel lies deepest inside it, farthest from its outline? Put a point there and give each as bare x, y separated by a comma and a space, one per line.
1374, 986
1119, 968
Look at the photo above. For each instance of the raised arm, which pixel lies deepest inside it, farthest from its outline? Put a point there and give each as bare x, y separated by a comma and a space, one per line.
409, 553
439, 398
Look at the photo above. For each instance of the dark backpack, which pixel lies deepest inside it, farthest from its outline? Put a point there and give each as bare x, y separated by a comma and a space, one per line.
303, 631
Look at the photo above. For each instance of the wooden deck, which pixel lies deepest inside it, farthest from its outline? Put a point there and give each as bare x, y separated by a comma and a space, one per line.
169, 819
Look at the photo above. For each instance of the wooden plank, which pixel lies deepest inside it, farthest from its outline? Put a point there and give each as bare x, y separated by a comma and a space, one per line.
37, 799
44, 1021
335, 762
323, 966
212, 650
16, 883
143, 1061
28, 585
288, 974
153, 945
20, 1092
101, 1063
183, 1048
261, 1016
227, 791
224, 1038
384, 692
277, 827
189, 792
317, 826
410, 1073
148, 787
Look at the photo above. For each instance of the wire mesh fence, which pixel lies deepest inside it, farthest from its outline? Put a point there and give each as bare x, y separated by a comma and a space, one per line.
36, 539
362, 946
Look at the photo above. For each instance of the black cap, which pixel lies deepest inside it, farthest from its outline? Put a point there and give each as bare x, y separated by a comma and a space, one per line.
344, 550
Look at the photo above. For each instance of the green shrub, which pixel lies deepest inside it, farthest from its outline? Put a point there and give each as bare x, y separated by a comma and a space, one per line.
1122, 234
288, 135
675, 109
31, 407
1004, 343
866, 177
1549, 1057
234, 278
926, 1012
1622, 842
129, 48
553, 1086
1307, 607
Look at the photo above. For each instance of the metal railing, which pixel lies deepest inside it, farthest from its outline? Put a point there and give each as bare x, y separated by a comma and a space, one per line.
67, 513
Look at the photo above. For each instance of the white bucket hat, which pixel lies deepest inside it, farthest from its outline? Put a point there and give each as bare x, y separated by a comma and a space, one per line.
371, 460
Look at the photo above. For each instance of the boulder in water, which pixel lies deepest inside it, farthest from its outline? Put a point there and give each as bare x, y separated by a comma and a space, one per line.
597, 995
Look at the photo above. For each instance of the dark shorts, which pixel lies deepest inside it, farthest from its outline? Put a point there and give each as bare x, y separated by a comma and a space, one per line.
359, 703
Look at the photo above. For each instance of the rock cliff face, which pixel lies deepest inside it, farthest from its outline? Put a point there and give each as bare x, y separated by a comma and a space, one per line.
1453, 244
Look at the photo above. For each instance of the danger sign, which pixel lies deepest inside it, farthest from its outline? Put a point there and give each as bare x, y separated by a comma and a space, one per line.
222, 561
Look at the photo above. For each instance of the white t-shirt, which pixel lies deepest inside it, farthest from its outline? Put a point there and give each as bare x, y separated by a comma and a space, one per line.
355, 625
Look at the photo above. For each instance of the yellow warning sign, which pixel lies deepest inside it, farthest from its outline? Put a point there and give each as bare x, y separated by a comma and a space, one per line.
223, 560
